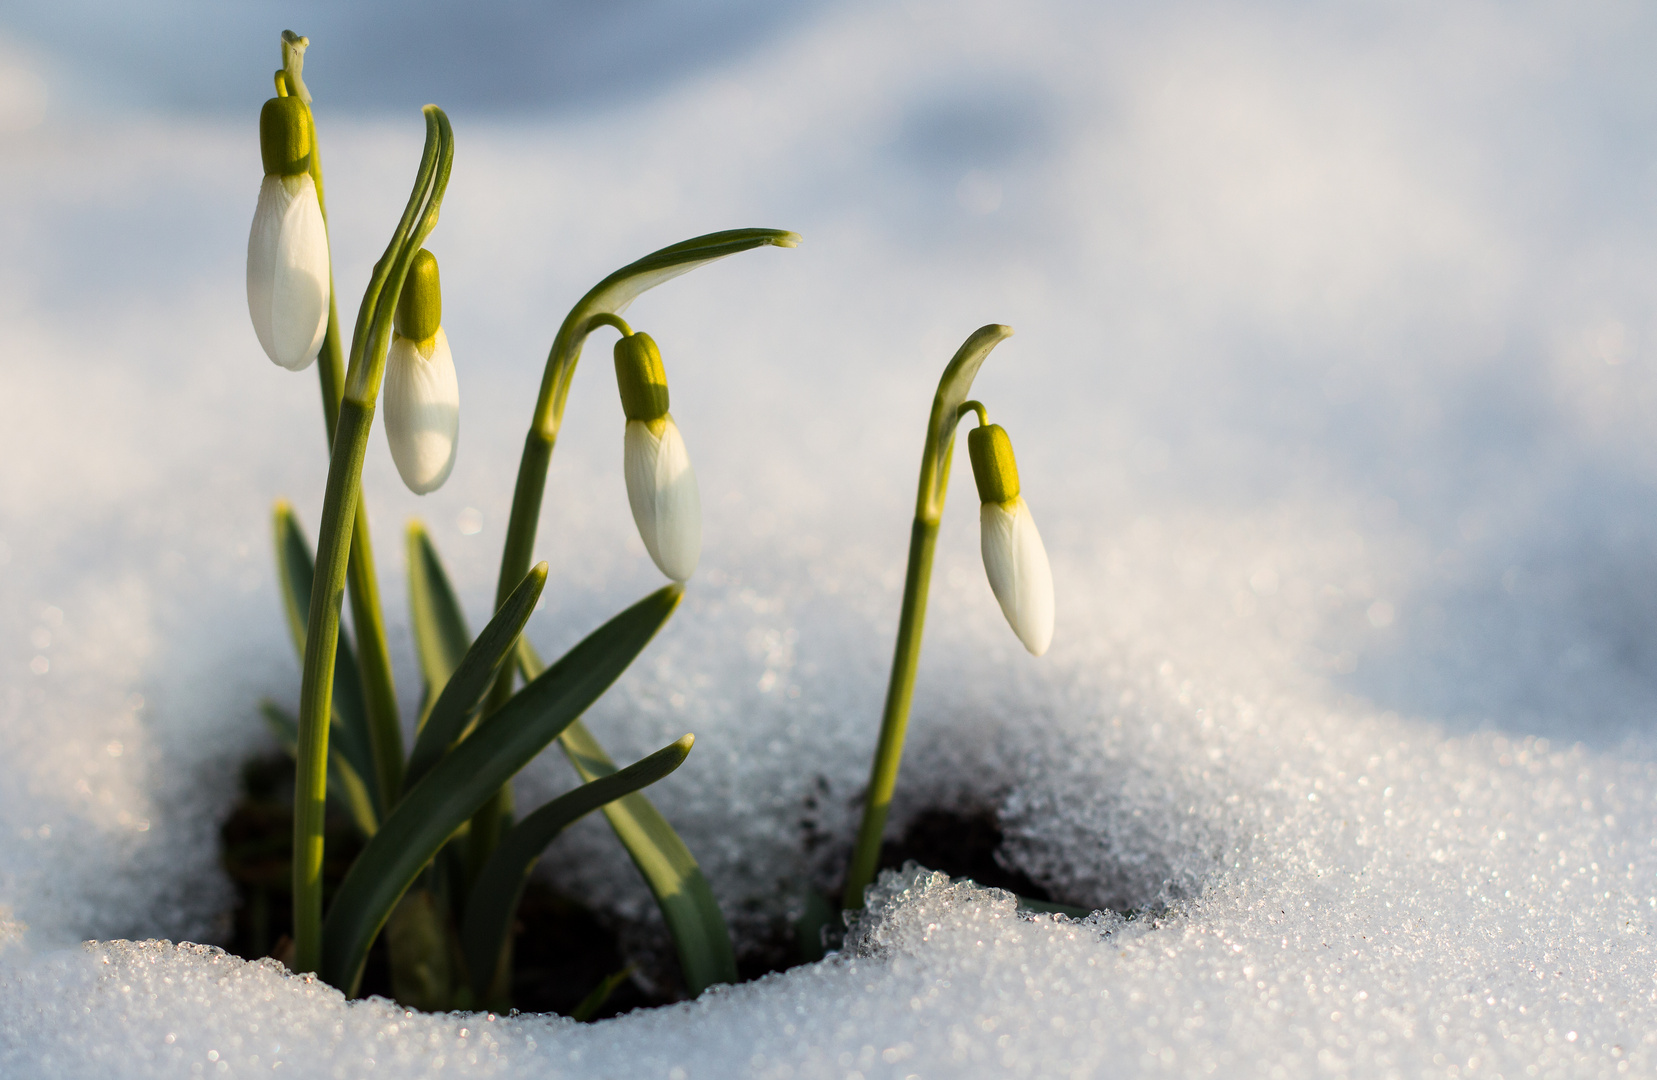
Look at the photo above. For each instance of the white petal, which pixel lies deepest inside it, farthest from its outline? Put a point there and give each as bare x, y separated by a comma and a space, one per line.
287, 271
661, 489
1016, 563
422, 411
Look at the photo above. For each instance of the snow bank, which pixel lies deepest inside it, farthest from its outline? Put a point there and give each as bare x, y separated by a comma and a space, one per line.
1332, 393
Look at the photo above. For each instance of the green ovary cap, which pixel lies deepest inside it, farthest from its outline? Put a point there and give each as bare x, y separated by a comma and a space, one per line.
993, 466
285, 137
420, 306
640, 378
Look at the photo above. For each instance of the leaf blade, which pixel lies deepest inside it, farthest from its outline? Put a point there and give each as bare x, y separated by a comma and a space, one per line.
471, 773
441, 636
669, 869
470, 679
494, 897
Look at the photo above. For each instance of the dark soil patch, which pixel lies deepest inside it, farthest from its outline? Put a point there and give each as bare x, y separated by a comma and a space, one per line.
561, 950
963, 845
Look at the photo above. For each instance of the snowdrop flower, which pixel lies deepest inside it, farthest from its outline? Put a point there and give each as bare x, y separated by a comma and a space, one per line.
422, 397
661, 486
287, 249
1014, 559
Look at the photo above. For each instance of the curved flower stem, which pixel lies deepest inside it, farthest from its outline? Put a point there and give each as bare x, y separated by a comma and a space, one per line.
602, 306
339, 510
385, 733
949, 406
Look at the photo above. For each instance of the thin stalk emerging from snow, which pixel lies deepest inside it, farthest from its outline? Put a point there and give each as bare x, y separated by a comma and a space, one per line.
339, 511
949, 405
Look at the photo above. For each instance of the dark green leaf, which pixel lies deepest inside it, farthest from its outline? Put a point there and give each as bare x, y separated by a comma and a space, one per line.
681, 891
500, 884
446, 719
440, 634
296, 569
471, 773
601, 993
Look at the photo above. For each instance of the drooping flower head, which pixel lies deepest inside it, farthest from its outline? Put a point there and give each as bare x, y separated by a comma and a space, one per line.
1014, 559
422, 395
661, 485
287, 248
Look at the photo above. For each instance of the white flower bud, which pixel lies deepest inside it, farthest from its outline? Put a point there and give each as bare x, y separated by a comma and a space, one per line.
1016, 564
661, 488
422, 410
287, 271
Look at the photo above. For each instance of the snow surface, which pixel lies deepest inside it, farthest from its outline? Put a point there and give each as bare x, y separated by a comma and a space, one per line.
1332, 393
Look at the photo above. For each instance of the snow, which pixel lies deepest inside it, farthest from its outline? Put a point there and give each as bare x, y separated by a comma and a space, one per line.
1332, 392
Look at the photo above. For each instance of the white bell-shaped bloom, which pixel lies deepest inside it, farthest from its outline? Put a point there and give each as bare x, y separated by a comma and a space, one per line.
661, 488
1016, 563
422, 410
287, 271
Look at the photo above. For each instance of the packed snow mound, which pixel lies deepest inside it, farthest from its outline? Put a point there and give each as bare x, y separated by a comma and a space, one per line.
1332, 394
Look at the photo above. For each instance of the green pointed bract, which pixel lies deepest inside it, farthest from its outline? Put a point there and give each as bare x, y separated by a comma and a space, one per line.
641, 378
284, 137
993, 467
420, 307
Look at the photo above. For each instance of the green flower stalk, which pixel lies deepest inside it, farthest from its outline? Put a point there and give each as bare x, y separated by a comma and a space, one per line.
686, 901
339, 509
1006, 548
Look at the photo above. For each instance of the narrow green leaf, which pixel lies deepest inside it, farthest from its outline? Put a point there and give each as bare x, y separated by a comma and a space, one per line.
296, 570
681, 891
499, 886
471, 773
446, 720
601, 993
440, 634
345, 784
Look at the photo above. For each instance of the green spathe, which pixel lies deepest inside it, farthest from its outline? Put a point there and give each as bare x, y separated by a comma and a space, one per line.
284, 137
993, 467
641, 378
420, 307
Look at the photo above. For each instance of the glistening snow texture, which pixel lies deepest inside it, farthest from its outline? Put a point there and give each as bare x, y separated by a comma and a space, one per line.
1333, 388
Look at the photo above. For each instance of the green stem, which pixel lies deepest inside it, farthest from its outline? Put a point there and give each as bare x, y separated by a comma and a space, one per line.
894, 720
601, 306
949, 406
385, 732
310, 798
339, 511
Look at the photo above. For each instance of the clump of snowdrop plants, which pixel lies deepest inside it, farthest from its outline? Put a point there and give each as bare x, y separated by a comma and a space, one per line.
445, 854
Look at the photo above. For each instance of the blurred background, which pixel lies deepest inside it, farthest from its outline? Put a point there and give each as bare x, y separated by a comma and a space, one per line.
1335, 374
